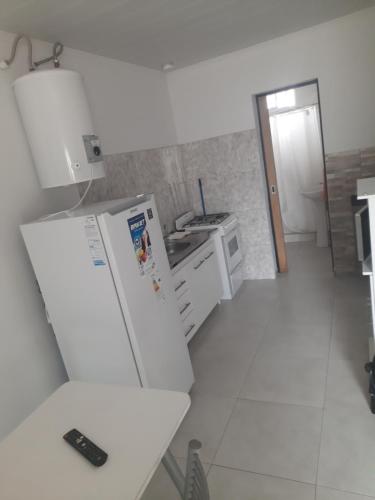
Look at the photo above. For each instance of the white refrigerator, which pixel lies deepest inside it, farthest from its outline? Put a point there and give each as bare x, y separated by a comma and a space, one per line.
106, 283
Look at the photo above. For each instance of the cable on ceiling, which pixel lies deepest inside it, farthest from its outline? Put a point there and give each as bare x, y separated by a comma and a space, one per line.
57, 50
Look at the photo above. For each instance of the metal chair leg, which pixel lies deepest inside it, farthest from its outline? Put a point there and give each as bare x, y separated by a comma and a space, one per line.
194, 485
174, 472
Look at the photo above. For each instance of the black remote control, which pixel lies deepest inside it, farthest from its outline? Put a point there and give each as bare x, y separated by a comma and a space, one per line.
86, 448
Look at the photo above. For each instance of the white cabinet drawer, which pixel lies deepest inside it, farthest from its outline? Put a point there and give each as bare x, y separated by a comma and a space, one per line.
180, 284
205, 255
190, 325
198, 288
205, 282
185, 305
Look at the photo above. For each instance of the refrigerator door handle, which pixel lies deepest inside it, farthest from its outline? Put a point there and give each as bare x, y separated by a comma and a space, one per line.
186, 306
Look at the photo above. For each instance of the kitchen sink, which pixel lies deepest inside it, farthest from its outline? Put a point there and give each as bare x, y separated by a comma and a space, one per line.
179, 249
173, 247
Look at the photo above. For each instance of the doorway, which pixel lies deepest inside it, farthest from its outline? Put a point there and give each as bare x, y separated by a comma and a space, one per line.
293, 153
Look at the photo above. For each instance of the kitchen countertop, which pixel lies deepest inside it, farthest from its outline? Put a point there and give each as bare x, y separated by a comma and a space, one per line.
178, 250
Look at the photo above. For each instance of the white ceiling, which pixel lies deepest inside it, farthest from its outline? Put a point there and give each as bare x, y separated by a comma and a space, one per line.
153, 32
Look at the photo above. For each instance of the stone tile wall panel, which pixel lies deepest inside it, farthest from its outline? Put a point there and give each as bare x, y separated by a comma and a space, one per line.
233, 181
343, 170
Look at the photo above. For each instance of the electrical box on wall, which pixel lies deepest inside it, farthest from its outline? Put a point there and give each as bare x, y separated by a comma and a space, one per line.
58, 124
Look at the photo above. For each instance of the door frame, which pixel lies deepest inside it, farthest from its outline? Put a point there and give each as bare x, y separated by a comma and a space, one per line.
279, 246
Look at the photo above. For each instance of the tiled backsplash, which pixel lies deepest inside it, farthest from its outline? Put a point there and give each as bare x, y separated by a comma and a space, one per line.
232, 176
343, 170
157, 171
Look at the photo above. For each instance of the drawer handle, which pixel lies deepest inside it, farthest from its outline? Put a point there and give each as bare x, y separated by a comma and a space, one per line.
199, 265
191, 327
209, 255
180, 285
185, 307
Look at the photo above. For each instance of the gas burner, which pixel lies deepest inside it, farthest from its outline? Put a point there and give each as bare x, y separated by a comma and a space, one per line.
189, 222
208, 220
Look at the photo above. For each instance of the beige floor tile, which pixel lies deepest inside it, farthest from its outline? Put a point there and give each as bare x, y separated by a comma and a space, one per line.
350, 339
231, 335
347, 454
305, 308
220, 376
323, 282
256, 310
308, 264
222, 359
286, 380
329, 494
252, 304
273, 340
286, 338
276, 336
261, 289
351, 286
270, 438
354, 308
206, 421
233, 484
316, 289
347, 383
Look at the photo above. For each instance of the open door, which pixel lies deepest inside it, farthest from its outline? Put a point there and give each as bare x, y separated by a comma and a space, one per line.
273, 194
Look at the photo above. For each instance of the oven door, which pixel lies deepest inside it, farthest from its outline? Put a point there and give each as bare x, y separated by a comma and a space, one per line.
232, 249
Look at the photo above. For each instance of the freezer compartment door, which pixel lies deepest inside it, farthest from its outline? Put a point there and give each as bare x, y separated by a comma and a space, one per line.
140, 267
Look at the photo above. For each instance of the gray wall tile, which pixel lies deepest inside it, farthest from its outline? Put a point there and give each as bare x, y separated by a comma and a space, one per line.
343, 170
233, 180
232, 177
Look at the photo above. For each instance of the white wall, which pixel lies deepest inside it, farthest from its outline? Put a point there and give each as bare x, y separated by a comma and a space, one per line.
131, 111
130, 104
213, 98
30, 365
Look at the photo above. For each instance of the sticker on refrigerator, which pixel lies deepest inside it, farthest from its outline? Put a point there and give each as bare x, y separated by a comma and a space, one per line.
141, 243
95, 243
156, 285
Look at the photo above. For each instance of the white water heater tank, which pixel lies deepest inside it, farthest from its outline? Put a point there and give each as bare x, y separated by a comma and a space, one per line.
58, 124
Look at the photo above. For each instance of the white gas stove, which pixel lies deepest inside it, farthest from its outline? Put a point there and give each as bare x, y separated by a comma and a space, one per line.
226, 236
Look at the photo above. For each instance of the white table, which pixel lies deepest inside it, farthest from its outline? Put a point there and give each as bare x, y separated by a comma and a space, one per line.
134, 426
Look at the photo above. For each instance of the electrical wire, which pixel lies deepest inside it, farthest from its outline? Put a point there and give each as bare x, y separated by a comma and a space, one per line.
14, 50
57, 50
77, 205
